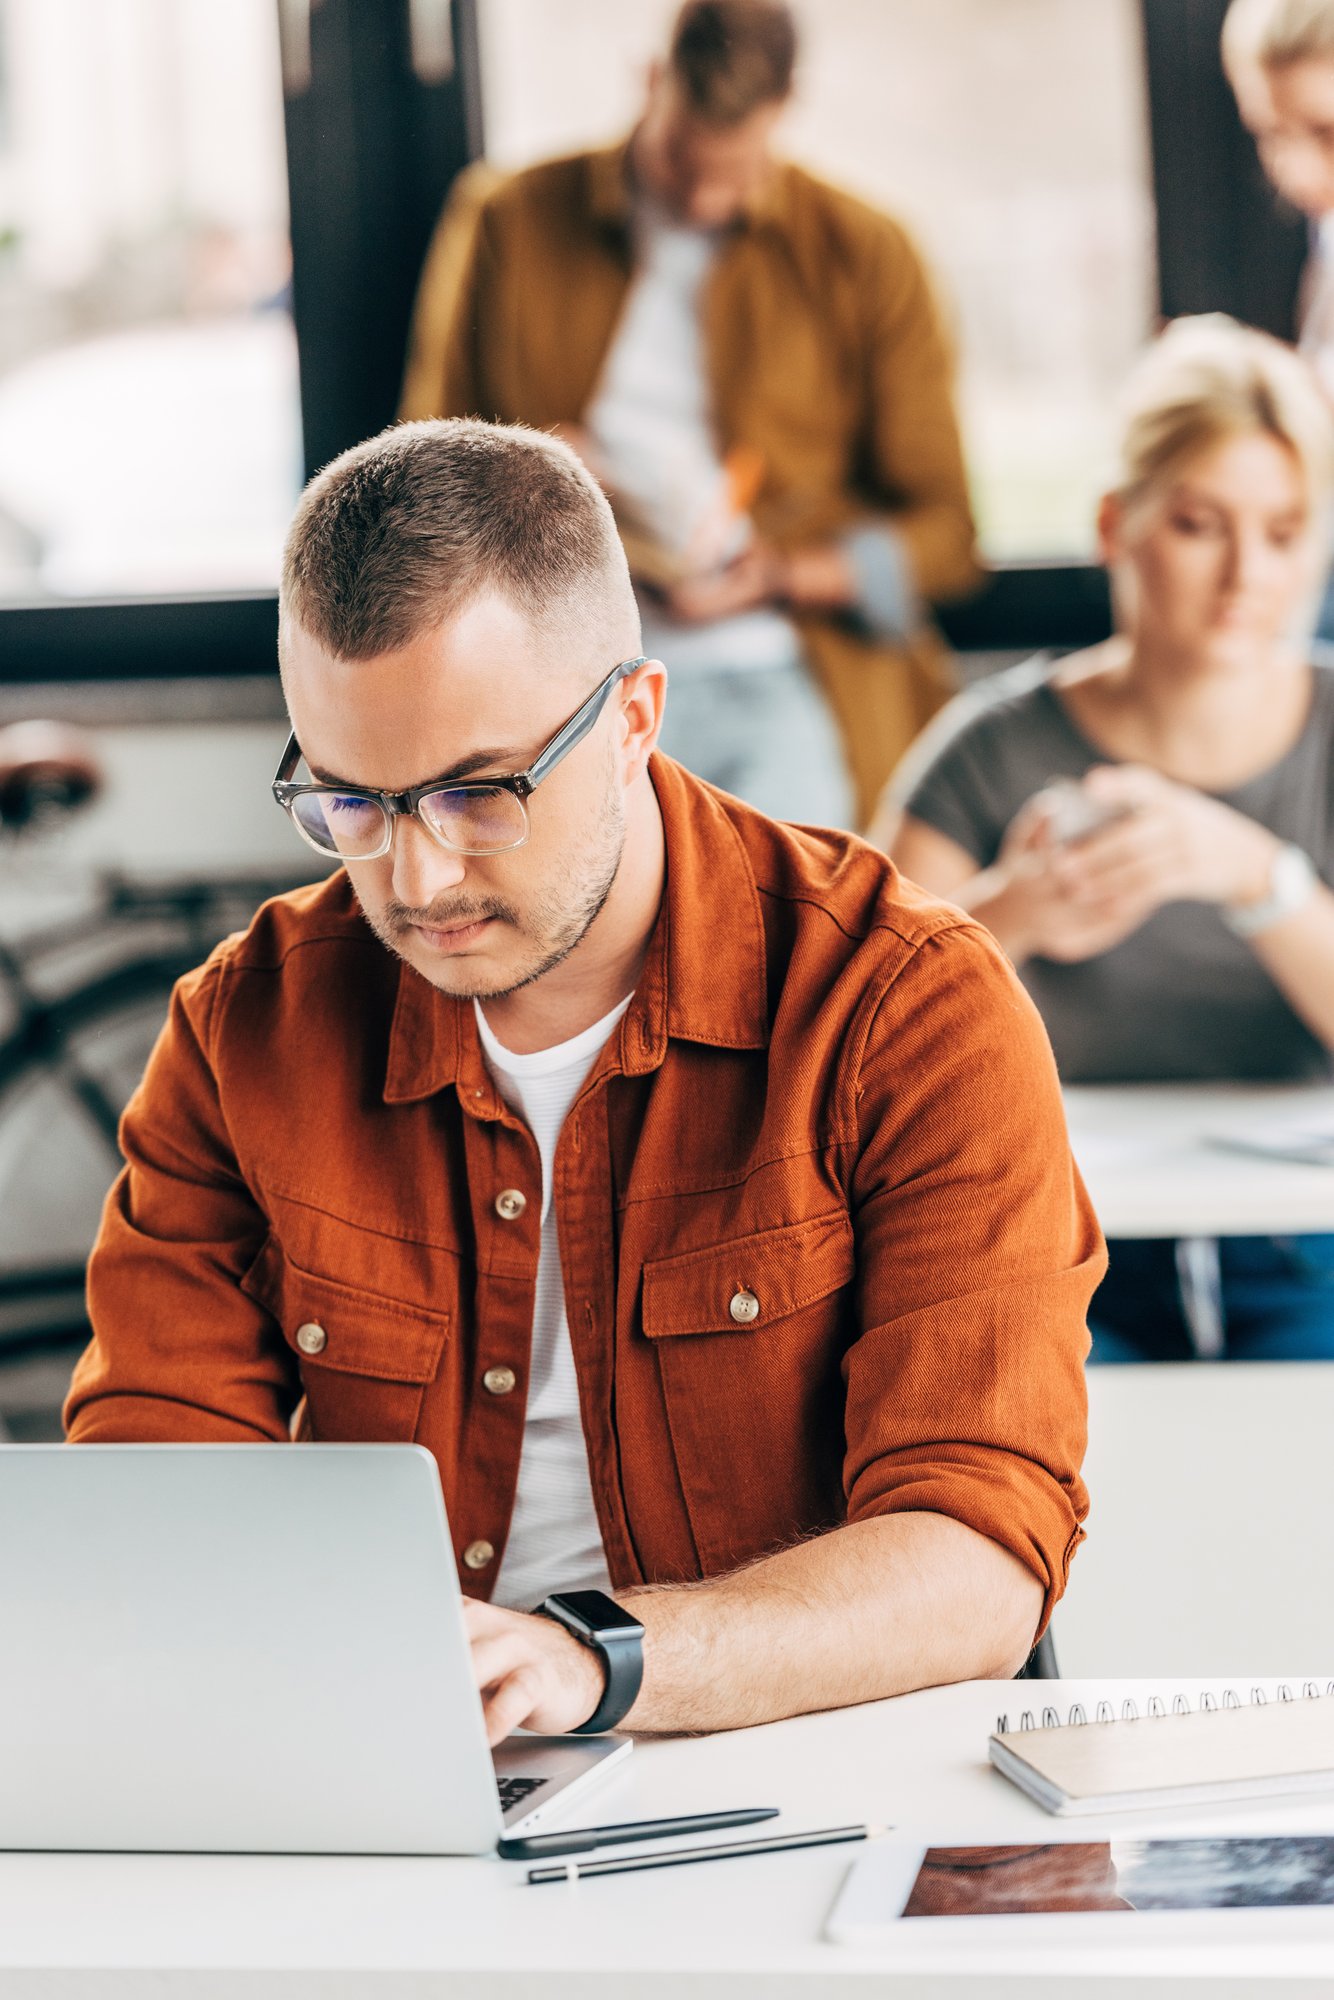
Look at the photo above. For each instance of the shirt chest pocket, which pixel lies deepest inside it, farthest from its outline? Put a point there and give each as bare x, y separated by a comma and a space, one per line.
365, 1361
749, 1337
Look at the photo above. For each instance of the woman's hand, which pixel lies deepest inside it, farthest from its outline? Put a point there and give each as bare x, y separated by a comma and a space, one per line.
1168, 844
1027, 899
1162, 842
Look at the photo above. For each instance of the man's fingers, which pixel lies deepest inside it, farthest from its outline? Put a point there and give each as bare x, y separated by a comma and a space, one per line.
508, 1705
478, 1615
497, 1655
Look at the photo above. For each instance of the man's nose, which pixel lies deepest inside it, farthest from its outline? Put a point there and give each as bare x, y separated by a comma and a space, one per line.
422, 869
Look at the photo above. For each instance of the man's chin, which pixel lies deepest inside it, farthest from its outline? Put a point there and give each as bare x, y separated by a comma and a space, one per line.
475, 974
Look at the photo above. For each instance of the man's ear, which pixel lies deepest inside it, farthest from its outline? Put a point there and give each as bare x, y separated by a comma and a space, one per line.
639, 718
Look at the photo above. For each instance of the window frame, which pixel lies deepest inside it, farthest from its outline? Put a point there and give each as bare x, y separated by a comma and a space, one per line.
369, 206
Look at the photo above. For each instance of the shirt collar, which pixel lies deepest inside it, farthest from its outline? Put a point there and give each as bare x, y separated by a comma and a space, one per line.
709, 918
611, 190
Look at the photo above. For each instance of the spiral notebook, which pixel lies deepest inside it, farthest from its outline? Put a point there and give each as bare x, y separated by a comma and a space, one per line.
1218, 1750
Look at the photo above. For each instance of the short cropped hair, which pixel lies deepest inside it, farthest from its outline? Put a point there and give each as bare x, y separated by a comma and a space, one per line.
730, 57
403, 531
1273, 33
1208, 379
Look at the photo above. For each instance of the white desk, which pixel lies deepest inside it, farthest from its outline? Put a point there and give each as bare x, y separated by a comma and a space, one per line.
132, 1925
1144, 1153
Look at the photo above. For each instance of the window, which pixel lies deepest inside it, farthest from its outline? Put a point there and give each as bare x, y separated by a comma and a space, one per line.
1011, 135
149, 413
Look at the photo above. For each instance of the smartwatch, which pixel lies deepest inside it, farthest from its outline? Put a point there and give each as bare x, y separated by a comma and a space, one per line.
1292, 881
598, 1622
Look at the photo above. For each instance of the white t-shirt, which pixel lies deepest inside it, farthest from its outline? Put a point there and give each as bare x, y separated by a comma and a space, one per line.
653, 428
554, 1540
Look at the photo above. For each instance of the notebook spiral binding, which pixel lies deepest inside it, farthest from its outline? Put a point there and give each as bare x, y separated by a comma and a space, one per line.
1130, 1710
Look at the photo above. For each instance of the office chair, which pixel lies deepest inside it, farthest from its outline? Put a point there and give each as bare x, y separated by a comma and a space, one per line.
1041, 1662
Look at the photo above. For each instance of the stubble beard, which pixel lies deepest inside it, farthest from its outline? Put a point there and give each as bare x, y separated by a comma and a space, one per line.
557, 925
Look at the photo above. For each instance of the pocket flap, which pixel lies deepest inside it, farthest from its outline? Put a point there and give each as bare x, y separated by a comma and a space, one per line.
780, 1269
332, 1325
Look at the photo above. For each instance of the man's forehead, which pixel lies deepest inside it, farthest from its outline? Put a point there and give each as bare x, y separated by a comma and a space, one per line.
453, 701
483, 636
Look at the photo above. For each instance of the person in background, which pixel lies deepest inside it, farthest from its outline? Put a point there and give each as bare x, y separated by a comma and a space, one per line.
1148, 827
1279, 59
752, 363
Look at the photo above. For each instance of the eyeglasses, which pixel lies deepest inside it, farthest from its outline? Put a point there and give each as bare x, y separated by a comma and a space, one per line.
482, 816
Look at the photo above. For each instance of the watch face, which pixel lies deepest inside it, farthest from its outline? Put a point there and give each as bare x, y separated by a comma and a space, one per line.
595, 1610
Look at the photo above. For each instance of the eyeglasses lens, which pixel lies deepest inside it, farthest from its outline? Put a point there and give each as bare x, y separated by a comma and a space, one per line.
476, 819
341, 824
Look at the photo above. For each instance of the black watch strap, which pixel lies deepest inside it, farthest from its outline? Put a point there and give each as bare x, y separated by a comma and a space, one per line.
599, 1623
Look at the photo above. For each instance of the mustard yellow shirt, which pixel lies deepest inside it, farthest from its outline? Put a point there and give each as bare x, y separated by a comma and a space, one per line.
826, 352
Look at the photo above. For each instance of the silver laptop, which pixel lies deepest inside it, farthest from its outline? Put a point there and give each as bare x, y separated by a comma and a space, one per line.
248, 1649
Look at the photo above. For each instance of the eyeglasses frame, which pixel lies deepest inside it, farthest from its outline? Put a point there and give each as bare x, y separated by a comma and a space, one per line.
404, 805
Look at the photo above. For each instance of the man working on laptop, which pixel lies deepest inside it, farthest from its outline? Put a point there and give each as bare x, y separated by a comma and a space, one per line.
693, 1189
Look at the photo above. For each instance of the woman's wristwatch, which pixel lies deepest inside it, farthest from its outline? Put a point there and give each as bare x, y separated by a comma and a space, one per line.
1292, 881
599, 1622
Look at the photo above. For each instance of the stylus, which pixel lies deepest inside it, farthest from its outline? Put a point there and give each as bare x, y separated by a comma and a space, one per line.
578, 1839
674, 1857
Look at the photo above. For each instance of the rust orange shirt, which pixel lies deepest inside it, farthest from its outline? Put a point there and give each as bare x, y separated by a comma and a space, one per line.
829, 1092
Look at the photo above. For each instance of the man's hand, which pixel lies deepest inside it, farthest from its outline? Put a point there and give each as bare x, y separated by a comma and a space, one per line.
870, 1609
530, 1672
754, 578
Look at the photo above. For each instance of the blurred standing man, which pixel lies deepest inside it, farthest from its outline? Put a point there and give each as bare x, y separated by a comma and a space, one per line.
752, 362
1279, 57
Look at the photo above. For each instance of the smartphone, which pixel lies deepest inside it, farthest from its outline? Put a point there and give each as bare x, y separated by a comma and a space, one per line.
1072, 812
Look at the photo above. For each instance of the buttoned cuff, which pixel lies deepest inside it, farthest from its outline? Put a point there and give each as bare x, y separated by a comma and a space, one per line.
887, 600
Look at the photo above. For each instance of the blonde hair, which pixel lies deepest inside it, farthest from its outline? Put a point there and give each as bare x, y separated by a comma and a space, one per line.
1274, 32
1207, 379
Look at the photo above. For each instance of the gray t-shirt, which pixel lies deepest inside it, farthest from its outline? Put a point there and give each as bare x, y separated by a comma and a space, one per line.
1181, 997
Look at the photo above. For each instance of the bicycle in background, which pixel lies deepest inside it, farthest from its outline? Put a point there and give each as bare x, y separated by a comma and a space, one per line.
83, 995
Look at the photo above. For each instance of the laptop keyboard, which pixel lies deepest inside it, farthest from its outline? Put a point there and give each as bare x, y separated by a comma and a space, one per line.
513, 1791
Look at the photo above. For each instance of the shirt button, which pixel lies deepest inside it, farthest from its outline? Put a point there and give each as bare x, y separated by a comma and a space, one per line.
311, 1337
510, 1204
478, 1554
499, 1380
744, 1308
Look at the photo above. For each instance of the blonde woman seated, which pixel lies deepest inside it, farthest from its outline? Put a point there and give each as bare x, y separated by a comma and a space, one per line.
1148, 826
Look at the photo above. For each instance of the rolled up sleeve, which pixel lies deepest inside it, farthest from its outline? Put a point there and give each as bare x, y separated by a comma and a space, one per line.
978, 1254
179, 1351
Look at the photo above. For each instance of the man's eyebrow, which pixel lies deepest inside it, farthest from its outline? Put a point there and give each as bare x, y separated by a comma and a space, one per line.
504, 761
